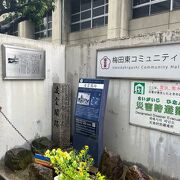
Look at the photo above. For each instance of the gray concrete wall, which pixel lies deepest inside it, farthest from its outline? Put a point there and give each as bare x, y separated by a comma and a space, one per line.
89, 35
154, 150
28, 103
155, 23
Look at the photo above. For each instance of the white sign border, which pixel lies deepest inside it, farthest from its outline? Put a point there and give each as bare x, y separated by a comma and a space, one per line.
132, 47
148, 127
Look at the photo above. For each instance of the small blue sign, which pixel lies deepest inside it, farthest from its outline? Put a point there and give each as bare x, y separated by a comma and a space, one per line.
89, 116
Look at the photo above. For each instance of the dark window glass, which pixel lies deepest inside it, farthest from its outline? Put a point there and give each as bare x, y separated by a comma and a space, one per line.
49, 17
106, 9
138, 2
50, 33
141, 12
176, 4
106, 19
75, 27
42, 27
75, 18
40, 35
75, 6
36, 36
86, 25
85, 15
50, 25
88, 13
98, 22
160, 7
98, 11
98, 3
85, 4
37, 28
13, 31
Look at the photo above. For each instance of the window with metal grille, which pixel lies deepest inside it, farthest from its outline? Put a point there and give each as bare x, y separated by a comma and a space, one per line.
13, 31
86, 14
44, 29
143, 8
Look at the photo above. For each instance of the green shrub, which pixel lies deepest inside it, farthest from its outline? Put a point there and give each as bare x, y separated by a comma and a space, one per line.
72, 165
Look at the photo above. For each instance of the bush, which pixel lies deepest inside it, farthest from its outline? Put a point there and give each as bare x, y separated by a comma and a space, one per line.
72, 165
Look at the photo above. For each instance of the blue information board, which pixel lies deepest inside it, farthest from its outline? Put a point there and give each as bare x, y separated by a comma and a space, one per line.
89, 116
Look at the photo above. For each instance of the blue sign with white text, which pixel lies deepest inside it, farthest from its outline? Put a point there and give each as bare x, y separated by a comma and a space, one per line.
89, 116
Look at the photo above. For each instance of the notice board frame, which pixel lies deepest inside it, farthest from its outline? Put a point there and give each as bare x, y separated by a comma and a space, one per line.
34, 63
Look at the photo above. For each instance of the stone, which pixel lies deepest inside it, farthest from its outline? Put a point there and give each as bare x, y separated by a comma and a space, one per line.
111, 165
41, 144
61, 113
135, 173
39, 172
18, 158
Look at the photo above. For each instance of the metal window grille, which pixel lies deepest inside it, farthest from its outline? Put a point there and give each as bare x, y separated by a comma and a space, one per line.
86, 14
143, 8
13, 31
44, 29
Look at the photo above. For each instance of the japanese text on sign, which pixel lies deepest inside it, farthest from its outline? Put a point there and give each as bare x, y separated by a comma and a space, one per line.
156, 105
153, 62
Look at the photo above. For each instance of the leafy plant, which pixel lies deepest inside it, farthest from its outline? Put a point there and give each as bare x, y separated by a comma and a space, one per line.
72, 165
13, 12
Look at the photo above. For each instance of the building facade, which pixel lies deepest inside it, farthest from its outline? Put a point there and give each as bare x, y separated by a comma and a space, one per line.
86, 26
78, 21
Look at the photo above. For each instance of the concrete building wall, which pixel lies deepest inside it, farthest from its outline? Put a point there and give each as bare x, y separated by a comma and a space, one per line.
120, 24
27, 103
119, 13
157, 152
155, 23
26, 29
85, 36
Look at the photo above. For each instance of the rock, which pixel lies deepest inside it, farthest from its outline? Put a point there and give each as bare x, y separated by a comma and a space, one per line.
40, 145
111, 165
39, 172
135, 173
18, 158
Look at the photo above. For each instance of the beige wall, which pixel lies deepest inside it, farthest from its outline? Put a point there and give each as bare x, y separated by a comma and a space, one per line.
157, 152
26, 30
120, 24
117, 27
28, 103
160, 22
89, 35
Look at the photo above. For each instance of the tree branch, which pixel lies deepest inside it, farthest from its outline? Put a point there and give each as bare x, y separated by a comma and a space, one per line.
17, 7
8, 26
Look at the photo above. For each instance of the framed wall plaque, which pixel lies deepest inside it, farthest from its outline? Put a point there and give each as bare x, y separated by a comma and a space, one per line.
22, 63
160, 62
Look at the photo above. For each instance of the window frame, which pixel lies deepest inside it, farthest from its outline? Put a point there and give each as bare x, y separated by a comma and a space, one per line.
13, 31
150, 3
91, 18
45, 22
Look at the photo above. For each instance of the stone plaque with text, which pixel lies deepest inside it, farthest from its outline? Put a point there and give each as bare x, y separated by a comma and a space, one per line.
61, 114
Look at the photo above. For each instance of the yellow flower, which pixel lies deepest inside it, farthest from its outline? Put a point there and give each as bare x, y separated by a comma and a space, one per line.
47, 152
66, 155
59, 151
82, 152
81, 173
86, 147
